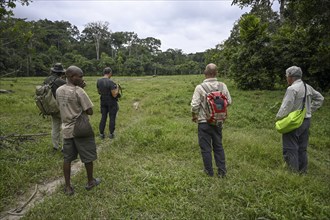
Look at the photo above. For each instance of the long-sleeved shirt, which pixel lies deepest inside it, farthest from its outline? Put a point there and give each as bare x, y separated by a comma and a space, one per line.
198, 102
293, 99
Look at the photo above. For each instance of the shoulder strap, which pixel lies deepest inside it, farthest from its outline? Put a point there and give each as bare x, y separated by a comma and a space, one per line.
52, 82
220, 86
205, 90
304, 100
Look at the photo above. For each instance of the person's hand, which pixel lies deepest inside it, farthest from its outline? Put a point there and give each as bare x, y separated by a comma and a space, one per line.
194, 118
82, 84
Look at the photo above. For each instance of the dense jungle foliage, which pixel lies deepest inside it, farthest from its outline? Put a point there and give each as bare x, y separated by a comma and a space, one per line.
262, 44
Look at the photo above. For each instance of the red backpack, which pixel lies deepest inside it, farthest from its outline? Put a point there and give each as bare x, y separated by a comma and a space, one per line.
216, 105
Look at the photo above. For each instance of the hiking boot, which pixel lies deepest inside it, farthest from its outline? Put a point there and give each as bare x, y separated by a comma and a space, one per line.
112, 136
102, 136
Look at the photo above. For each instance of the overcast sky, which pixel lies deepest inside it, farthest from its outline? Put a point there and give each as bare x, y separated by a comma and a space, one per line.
193, 26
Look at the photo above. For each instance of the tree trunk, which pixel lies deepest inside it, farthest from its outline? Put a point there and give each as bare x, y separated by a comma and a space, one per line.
282, 4
97, 45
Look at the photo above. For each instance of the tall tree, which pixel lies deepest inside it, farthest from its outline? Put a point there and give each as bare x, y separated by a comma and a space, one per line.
95, 32
253, 64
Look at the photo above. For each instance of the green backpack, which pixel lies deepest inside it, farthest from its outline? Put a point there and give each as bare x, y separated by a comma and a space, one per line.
45, 99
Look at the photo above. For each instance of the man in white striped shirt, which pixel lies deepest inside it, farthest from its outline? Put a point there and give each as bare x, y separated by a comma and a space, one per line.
209, 136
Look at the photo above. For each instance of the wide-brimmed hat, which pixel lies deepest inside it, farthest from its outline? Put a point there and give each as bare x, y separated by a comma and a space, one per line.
58, 68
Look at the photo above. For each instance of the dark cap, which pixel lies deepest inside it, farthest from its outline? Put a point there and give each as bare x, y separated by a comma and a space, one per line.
58, 68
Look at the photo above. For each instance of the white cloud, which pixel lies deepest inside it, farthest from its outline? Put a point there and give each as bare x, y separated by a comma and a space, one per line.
193, 26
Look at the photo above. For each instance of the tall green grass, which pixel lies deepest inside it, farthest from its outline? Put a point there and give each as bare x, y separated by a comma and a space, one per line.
153, 168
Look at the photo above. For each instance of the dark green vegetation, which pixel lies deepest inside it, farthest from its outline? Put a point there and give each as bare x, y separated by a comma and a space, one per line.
153, 168
262, 44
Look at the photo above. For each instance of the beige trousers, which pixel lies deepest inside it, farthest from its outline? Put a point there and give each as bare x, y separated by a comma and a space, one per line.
56, 130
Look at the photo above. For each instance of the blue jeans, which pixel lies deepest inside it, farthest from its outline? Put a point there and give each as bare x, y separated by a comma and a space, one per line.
111, 110
210, 139
295, 147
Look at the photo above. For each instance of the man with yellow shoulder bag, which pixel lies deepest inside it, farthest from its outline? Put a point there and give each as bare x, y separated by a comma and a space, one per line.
294, 118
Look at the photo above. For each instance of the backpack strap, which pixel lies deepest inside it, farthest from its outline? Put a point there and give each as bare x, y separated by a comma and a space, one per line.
304, 100
203, 87
220, 86
50, 83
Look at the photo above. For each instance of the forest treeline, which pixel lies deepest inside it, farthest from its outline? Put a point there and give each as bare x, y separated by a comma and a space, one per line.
262, 44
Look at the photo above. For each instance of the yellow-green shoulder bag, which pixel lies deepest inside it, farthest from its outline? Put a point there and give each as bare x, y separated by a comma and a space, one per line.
293, 120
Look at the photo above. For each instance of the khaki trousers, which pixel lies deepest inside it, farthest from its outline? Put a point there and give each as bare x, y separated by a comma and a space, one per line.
56, 130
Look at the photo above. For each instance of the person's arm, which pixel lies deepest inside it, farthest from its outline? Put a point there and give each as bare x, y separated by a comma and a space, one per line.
195, 105
98, 87
227, 94
115, 91
194, 117
317, 100
85, 102
82, 84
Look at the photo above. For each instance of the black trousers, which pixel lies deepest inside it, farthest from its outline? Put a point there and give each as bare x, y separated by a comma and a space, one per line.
295, 147
210, 139
111, 110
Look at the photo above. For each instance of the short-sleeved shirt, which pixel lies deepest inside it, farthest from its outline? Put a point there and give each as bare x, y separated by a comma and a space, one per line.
104, 87
72, 101
198, 103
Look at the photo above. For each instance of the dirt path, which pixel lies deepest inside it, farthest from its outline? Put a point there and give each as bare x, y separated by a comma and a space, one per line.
36, 195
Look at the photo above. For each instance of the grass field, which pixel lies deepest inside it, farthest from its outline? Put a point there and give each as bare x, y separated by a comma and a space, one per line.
153, 168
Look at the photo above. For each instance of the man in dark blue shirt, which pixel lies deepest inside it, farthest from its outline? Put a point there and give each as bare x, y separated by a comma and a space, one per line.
109, 94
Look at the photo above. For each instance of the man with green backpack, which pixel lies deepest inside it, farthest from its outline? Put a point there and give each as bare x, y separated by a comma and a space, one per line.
55, 80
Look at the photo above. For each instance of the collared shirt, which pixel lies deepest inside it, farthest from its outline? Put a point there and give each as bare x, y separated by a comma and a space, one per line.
198, 102
72, 101
293, 99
